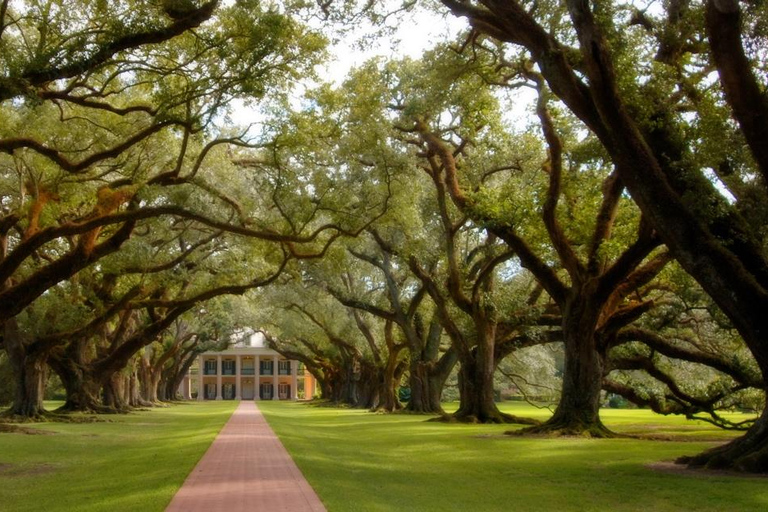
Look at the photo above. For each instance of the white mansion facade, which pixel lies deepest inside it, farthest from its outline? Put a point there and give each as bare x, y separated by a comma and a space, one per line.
246, 372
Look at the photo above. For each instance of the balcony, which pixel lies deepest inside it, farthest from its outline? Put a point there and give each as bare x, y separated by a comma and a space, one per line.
248, 371
209, 371
228, 372
266, 371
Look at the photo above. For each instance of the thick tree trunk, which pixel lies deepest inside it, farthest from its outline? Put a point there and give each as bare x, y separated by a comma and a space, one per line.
326, 389
418, 382
578, 413
81, 390
150, 384
425, 395
30, 370
476, 393
748, 453
477, 399
82, 393
427, 381
428, 370
115, 389
31, 375
388, 380
172, 379
476, 396
133, 390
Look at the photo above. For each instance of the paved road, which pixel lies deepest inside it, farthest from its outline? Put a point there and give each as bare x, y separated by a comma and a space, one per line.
246, 468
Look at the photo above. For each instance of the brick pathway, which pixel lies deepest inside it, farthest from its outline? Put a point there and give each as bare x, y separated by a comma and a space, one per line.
246, 468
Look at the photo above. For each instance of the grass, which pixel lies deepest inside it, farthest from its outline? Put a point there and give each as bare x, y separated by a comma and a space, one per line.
133, 462
358, 461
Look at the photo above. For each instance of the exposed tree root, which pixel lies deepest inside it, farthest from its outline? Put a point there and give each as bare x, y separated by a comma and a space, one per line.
68, 409
47, 416
569, 429
748, 454
499, 418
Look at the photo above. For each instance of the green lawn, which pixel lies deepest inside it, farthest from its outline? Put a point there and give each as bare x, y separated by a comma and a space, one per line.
358, 461
131, 462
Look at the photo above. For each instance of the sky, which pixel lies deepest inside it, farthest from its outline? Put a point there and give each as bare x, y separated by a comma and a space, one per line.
411, 35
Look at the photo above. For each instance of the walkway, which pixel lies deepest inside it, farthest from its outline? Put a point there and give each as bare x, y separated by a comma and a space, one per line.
246, 468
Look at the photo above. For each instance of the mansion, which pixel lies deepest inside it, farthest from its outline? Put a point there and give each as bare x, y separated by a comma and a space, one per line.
246, 372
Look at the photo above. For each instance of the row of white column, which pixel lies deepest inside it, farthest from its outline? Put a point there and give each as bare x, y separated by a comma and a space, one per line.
257, 378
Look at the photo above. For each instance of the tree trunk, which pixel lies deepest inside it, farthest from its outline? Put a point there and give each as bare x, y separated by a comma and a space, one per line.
81, 389
389, 378
476, 393
578, 413
476, 396
426, 382
134, 389
82, 393
31, 375
30, 370
387, 391
419, 383
748, 453
116, 388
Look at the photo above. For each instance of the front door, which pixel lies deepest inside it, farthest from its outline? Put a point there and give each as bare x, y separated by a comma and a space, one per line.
247, 391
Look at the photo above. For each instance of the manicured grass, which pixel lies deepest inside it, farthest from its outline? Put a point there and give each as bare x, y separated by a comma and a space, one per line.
358, 461
131, 462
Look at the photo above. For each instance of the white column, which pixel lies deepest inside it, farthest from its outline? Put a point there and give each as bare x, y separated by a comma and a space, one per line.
275, 378
238, 393
200, 377
186, 387
294, 380
257, 380
218, 377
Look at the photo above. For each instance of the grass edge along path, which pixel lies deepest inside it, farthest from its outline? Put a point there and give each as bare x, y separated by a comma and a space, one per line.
358, 461
132, 462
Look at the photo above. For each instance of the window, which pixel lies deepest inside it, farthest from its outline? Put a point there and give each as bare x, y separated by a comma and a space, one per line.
284, 367
266, 391
228, 367
266, 367
283, 391
210, 367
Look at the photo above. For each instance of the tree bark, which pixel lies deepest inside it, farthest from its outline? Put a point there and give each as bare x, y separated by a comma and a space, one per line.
578, 412
476, 392
30, 370
81, 390
31, 376
426, 388
428, 374
116, 392
748, 453
82, 393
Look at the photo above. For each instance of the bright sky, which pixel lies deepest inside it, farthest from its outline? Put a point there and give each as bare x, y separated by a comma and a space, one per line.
412, 34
